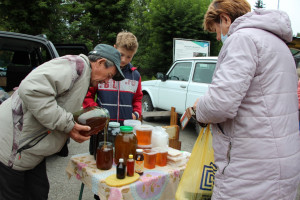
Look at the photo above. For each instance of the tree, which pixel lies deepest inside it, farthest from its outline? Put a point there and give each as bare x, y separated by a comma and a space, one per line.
168, 19
137, 25
259, 4
67, 21
109, 18
92, 21
30, 16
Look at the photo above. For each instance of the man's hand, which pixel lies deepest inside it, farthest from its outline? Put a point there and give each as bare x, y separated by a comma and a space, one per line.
76, 136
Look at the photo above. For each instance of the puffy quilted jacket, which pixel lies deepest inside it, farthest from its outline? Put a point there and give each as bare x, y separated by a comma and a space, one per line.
36, 119
253, 106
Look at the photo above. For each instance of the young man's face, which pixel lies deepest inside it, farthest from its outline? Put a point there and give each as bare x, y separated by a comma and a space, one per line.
126, 56
101, 74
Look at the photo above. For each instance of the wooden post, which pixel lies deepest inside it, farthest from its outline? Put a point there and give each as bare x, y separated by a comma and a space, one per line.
173, 117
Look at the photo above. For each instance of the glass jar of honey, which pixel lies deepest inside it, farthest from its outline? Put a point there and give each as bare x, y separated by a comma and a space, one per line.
125, 144
95, 117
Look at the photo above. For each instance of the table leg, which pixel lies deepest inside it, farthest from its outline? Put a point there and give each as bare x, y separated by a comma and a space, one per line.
81, 191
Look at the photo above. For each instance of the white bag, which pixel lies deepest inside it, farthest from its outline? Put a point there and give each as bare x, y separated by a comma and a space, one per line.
160, 137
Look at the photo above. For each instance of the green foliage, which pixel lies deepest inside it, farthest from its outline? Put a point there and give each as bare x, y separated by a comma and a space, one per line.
168, 19
137, 25
67, 21
259, 4
31, 16
147, 78
110, 17
154, 22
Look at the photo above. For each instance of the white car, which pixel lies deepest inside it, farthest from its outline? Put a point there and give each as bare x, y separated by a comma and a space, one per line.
186, 80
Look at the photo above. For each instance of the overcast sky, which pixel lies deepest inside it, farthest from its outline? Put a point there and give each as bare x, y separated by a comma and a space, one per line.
292, 7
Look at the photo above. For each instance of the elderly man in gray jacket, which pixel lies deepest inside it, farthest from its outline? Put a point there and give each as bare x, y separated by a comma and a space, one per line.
37, 119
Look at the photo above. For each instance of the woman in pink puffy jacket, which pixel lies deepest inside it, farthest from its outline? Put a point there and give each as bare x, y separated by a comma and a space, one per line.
252, 104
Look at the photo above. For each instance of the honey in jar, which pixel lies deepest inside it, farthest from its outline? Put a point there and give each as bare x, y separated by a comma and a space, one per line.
104, 159
144, 135
95, 117
125, 144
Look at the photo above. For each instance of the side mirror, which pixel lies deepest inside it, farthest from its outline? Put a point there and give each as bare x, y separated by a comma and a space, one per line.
160, 76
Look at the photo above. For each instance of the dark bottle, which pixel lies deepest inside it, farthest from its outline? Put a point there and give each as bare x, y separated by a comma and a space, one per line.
125, 144
139, 162
121, 169
130, 166
94, 142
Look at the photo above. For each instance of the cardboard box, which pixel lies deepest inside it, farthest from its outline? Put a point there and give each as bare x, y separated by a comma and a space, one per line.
187, 115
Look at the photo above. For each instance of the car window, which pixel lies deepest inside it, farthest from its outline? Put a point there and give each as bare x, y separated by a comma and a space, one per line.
181, 71
203, 72
5, 58
16, 64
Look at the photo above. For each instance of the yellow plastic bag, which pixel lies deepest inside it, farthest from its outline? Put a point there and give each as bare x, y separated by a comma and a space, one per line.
198, 177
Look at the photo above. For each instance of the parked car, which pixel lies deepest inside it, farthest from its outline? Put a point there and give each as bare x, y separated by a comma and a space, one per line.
21, 53
186, 80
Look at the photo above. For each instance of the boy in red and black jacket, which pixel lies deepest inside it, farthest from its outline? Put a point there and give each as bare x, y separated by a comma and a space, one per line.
123, 99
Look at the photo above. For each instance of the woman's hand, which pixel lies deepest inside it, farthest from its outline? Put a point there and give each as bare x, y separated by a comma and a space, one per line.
195, 104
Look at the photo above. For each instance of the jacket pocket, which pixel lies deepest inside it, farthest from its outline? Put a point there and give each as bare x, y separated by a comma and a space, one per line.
32, 143
228, 157
222, 146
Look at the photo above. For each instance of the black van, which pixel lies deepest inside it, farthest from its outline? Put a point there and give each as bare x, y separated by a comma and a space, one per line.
21, 53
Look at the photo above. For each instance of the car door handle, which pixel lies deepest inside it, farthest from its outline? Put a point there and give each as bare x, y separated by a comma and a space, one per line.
183, 86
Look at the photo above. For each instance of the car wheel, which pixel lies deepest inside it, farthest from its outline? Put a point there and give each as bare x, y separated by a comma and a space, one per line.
147, 106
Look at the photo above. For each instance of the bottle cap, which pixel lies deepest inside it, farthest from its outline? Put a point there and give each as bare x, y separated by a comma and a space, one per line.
139, 150
121, 160
126, 129
144, 127
114, 124
130, 156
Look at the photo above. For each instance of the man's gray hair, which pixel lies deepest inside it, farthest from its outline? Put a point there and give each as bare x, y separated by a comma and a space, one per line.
94, 58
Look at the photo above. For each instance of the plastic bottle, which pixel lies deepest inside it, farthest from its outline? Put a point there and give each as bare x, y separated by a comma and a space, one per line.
125, 144
139, 162
121, 169
130, 166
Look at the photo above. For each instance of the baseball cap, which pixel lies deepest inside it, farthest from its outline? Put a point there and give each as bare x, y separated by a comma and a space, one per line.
112, 54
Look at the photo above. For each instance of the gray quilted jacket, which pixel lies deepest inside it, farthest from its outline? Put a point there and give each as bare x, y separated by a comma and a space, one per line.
36, 119
253, 106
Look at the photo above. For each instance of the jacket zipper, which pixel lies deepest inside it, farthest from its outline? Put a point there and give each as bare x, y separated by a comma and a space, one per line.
28, 145
228, 157
118, 103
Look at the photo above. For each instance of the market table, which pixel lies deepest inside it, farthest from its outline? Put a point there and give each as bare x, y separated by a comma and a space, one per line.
158, 183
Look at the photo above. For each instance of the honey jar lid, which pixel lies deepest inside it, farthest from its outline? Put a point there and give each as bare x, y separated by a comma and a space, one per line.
114, 124
139, 150
126, 129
